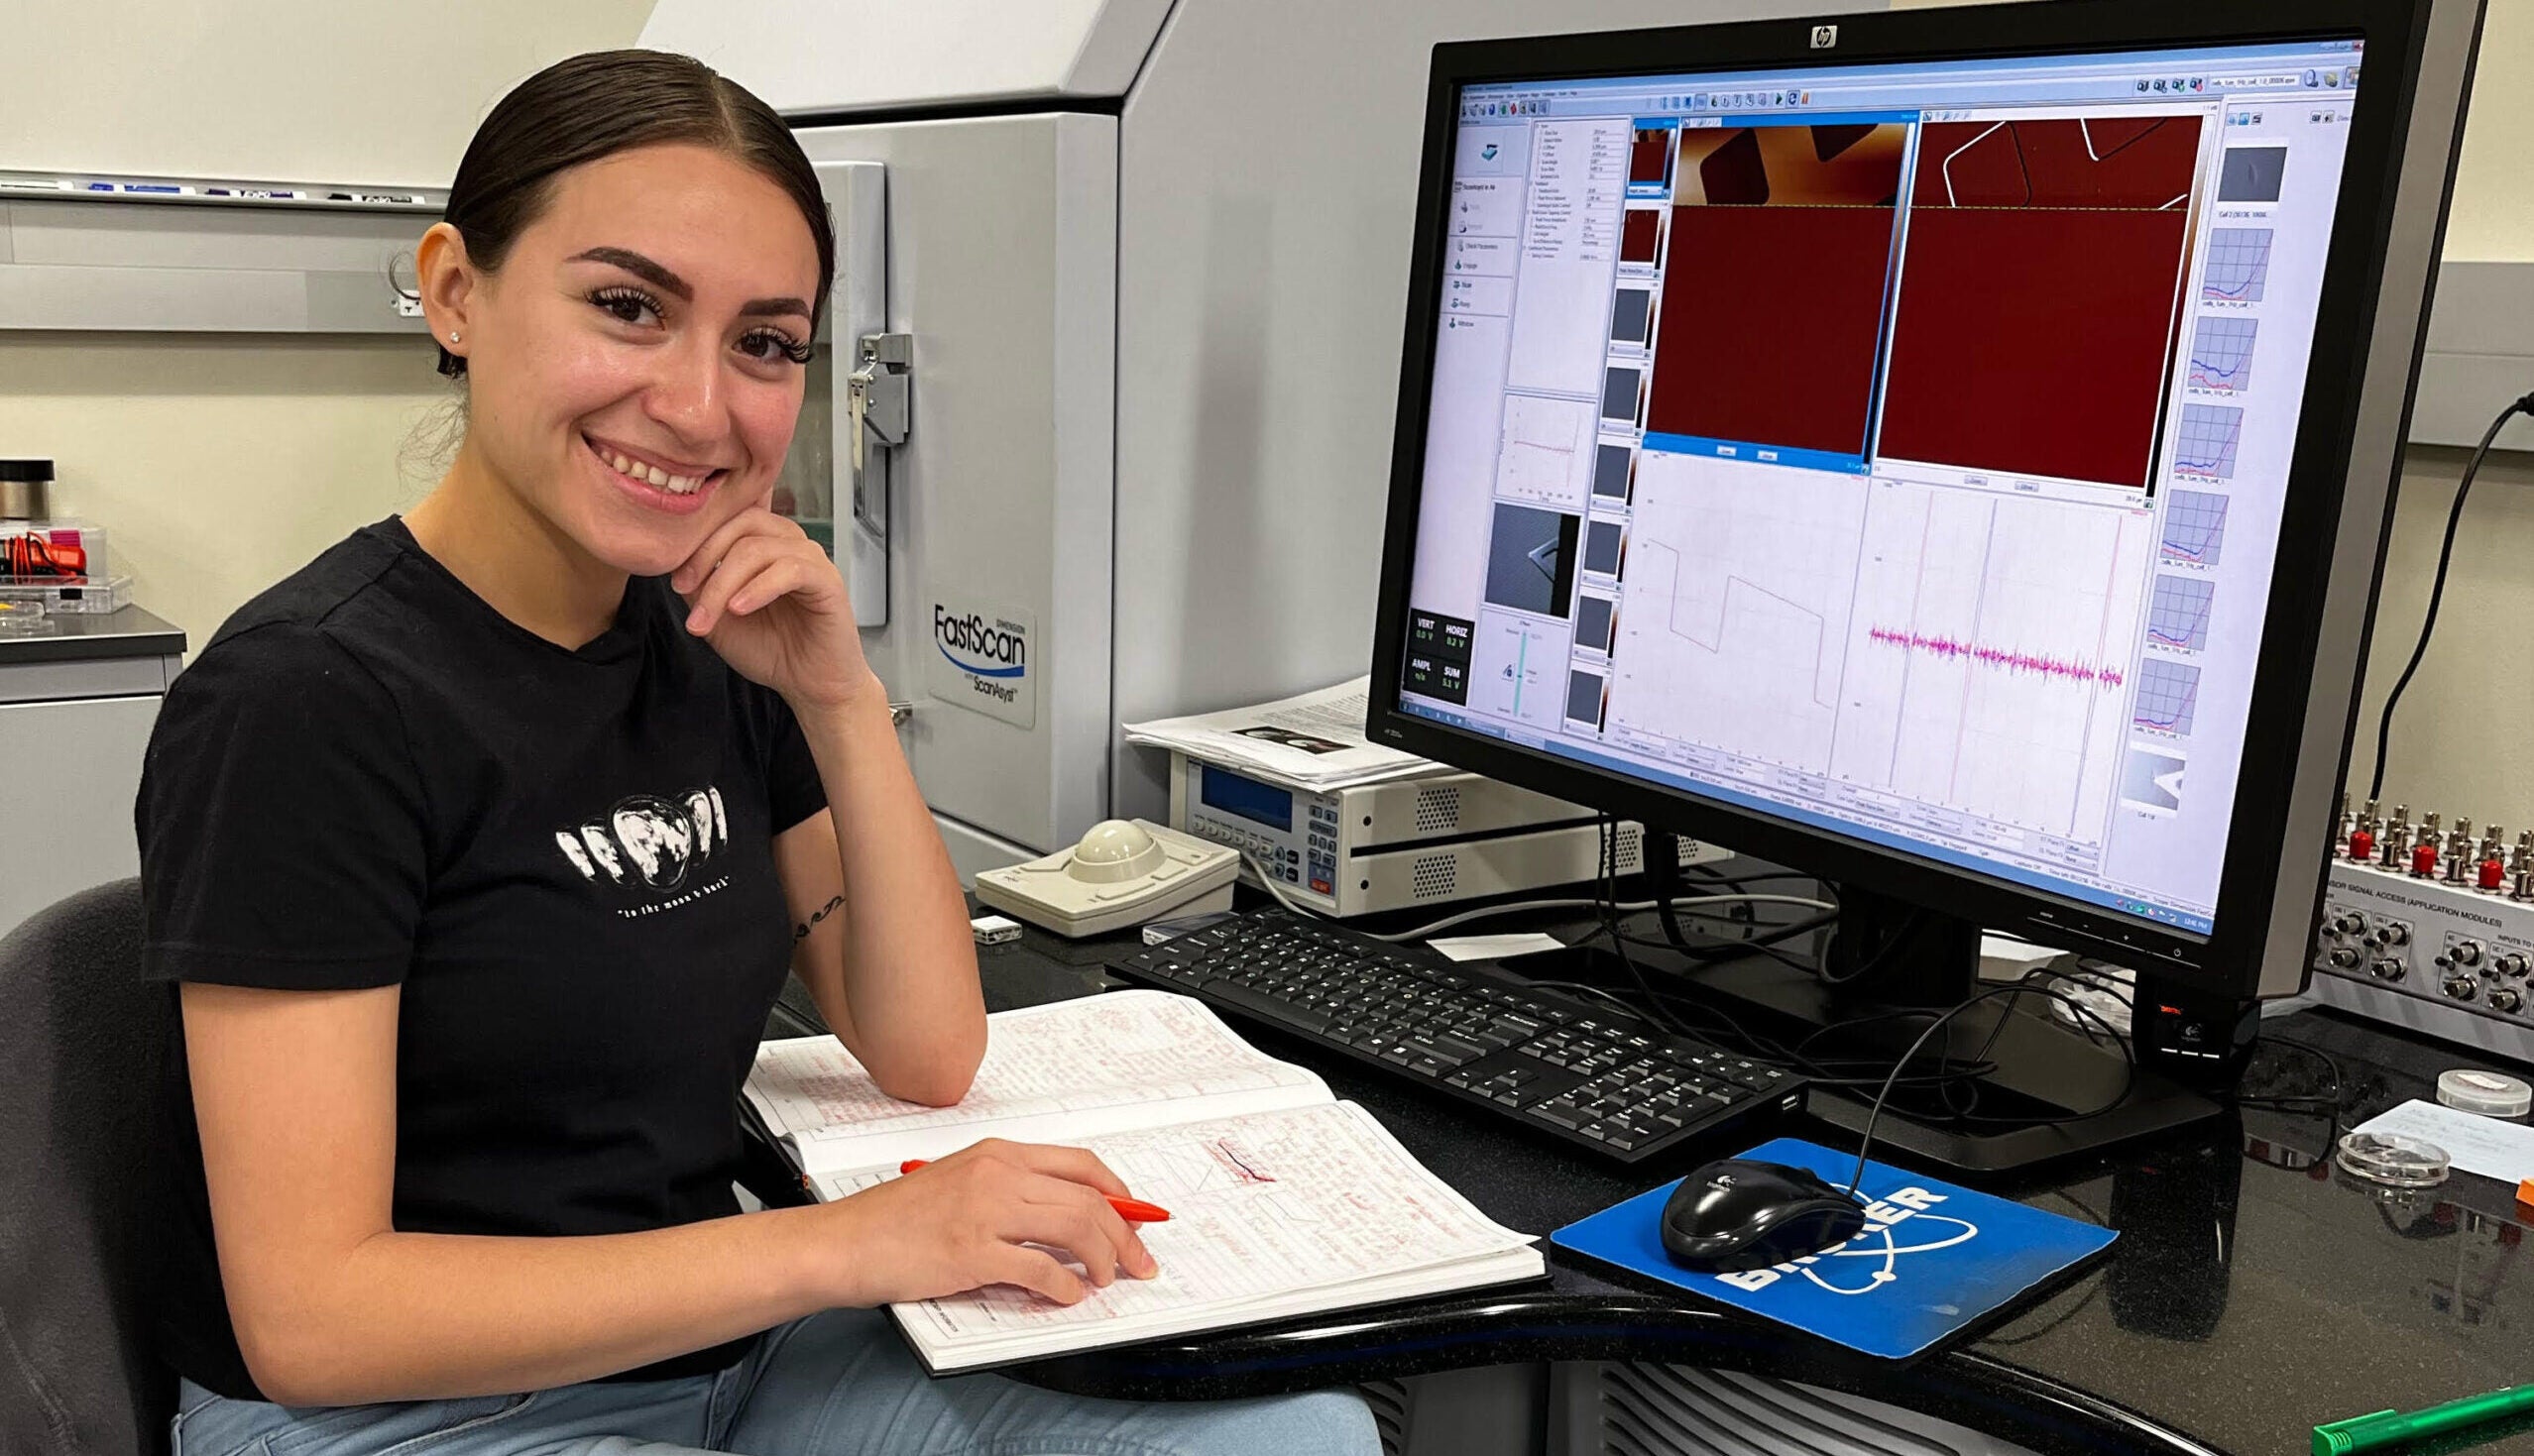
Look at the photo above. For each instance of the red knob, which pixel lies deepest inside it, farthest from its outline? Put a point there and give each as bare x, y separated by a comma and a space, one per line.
2424, 860
2361, 845
2493, 874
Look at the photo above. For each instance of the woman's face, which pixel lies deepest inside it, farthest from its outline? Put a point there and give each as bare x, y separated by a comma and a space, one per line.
632, 364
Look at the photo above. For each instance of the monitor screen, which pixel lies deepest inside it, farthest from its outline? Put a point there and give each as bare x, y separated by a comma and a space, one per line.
1897, 451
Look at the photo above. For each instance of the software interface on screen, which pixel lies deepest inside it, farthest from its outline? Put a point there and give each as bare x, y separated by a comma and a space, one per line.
1897, 450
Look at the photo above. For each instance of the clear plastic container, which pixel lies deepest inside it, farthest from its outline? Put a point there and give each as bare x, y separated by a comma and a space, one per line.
71, 597
27, 620
2392, 1159
2487, 1093
44, 552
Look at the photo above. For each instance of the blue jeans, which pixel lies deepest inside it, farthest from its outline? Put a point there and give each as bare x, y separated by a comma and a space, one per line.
839, 1384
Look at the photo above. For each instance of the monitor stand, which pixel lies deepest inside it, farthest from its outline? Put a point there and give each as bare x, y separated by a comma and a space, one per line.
2043, 1073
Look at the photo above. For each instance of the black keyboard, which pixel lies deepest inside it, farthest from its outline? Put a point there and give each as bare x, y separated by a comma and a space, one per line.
1596, 1078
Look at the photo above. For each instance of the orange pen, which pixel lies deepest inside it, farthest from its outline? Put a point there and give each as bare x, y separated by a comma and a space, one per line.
1133, 1210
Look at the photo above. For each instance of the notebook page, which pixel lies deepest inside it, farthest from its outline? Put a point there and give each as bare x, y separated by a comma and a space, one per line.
1061, 1066
1504, 1267
1262, 1205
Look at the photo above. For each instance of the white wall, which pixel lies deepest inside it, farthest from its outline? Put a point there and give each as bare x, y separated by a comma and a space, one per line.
2492, 216
2459, 743
220, 464
217, 465
316, 90
2457, 747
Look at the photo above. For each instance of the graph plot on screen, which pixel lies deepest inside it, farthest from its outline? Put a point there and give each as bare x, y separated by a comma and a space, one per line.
2204, 444
1999, 658
2238, 264
2167, 693
1733, 612
2222, 354
1989, 666
2039, 283
2178, 613
1546, 450
2194, 527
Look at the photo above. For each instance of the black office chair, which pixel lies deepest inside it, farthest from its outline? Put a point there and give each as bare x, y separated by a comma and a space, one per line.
82, 1040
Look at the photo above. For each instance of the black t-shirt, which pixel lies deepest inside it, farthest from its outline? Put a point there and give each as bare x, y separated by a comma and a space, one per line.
370, 777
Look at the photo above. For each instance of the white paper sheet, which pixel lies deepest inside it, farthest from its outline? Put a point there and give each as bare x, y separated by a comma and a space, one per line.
1494, 947
2477, 1144
1313, 741
1061, 1063
1260, 1206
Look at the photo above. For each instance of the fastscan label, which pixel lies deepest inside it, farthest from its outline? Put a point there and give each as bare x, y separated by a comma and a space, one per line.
984, 658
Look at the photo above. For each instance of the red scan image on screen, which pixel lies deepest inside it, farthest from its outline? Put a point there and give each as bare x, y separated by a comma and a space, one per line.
1774, 284
1639, 233
2039, 291
1650, 156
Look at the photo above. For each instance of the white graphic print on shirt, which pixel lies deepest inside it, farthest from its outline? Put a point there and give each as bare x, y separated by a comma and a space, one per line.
648, 840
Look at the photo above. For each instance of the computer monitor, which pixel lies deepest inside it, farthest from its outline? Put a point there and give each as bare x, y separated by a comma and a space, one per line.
1944, 451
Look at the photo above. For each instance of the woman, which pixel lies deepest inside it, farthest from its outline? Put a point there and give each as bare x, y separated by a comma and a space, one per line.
479, 847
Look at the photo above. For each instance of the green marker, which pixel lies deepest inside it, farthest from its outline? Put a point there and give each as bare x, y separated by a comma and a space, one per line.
2384, 1427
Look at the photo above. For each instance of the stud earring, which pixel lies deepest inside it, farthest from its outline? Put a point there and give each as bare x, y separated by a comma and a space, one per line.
453, 336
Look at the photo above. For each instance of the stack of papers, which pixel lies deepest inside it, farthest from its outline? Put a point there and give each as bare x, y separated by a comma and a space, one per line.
1312, 741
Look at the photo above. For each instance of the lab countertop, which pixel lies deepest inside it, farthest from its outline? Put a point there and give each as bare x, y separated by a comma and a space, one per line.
128, 632
2253, 1292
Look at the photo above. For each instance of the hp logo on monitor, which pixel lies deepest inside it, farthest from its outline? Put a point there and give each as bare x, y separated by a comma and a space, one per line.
1824, 37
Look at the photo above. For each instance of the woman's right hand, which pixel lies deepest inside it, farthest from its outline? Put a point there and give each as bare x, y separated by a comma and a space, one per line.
968, 1220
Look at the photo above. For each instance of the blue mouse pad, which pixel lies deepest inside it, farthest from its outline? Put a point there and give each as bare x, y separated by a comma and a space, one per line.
1932, 1258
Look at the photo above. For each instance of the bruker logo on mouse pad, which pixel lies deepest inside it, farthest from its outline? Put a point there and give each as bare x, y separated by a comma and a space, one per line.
1931, 1259
1929, 1232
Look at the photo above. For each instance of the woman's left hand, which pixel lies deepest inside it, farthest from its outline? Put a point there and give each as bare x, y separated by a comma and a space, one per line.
771, 602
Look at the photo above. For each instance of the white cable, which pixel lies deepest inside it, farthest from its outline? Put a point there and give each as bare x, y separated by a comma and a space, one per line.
1633, 907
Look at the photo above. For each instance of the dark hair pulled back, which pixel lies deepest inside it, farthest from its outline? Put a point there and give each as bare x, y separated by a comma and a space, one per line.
592, 106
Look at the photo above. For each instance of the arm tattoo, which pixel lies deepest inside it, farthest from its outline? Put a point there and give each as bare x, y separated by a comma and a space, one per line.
801, 932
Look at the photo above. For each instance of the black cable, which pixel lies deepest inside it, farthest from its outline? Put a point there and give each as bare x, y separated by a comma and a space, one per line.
2092, 1288
1719, 950
1757, 1048
1825, 1072
2129, 1083
1870, 965
2328, 1101
1829, 1073
2437, 587
1717, 877
2103, 985
1610, 925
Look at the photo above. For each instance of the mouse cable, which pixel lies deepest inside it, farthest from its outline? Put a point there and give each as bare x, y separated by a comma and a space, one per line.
2012, 994
2437, 586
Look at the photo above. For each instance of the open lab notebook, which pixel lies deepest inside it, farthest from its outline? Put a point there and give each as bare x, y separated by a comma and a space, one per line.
1283, 1200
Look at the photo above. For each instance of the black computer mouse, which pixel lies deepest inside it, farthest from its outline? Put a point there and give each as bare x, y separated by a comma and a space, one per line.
1736, 1213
